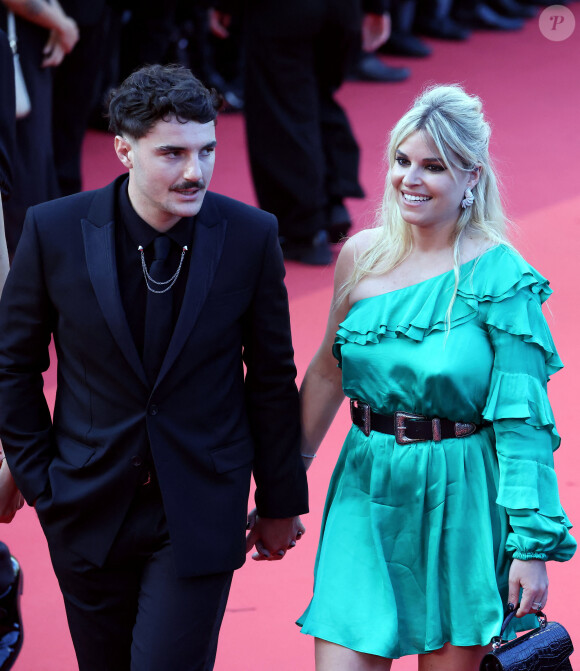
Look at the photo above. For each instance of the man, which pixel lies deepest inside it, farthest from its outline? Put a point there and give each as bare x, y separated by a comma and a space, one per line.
175, 380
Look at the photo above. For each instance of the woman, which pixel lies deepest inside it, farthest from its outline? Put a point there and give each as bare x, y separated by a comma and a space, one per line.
436, 324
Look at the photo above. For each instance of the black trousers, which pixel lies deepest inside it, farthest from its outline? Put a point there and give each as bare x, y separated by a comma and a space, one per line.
75, 88
33, 174
135, 613
301, 147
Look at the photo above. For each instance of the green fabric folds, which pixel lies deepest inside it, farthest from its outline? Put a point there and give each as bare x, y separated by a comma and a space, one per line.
419, 538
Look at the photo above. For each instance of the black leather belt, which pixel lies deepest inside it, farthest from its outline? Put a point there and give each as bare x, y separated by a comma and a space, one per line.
407, 427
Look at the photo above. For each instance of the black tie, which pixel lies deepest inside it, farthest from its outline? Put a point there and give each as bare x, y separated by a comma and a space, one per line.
159, 310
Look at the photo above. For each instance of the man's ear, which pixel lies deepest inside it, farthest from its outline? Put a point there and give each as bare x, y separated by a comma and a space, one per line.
123, 149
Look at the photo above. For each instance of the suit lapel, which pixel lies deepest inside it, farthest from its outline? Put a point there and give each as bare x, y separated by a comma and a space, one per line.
210, 229
99, 240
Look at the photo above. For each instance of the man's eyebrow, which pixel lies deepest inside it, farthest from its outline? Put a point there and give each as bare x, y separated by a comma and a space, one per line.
425, 160
169, 147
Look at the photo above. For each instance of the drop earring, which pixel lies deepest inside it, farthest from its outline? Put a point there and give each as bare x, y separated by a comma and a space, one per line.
467, 199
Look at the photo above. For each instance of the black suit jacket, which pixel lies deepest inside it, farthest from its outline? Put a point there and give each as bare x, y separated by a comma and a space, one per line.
225, 401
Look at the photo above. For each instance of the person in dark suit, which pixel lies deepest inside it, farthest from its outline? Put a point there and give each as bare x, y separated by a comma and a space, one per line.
7, 127
45, 34
11, 634
303, 155
176, 381
75, 90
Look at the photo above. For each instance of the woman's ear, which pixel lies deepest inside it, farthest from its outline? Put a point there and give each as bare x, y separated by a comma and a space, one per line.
474, 176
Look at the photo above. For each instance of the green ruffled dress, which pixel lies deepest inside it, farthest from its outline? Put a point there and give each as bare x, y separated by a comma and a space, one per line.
417, 539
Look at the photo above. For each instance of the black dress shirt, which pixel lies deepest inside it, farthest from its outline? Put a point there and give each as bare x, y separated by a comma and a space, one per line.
131, 232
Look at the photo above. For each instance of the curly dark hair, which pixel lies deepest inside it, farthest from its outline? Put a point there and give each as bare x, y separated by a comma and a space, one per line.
157, 92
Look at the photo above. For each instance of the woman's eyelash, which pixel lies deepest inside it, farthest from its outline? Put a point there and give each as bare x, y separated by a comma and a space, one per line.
431, 167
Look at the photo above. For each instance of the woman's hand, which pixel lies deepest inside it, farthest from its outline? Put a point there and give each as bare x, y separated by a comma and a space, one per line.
50, 15
532, 577
376, 29
68, 33
11, 500
61, 41
53, 53
219, 23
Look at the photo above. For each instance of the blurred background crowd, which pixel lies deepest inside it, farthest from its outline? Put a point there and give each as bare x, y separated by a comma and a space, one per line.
279, 63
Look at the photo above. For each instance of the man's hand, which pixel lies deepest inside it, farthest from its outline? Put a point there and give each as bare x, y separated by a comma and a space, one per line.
11, 500
272, 538
532, 577
376, 29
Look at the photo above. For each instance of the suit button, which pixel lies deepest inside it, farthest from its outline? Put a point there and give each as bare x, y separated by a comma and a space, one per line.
153, 409
136, 461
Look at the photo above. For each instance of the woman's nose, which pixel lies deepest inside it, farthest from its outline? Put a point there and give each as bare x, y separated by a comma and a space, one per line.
412, 176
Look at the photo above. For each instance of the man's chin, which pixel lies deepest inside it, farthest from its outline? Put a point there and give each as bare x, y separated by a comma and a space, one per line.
189, 207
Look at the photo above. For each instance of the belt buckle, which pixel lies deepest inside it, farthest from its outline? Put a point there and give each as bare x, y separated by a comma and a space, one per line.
400, 428
464, 429
365, 410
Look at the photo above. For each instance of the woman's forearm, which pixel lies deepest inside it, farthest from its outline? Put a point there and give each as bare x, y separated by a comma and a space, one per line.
320, 397
46, 15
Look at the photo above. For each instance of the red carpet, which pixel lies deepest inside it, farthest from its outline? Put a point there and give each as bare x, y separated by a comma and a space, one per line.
530, 89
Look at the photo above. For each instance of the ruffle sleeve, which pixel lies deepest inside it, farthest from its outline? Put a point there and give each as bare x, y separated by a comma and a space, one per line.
413, 312
517, 404
505, 293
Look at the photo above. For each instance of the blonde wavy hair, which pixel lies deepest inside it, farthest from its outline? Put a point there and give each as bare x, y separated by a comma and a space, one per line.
453, 121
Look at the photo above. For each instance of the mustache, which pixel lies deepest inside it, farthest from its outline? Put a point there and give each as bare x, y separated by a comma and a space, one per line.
182, 186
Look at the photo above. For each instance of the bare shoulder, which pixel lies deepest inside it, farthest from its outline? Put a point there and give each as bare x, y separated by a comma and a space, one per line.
474, 245
353, 248
364, 240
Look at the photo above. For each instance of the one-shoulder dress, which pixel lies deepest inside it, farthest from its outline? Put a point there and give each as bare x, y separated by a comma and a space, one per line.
417, 539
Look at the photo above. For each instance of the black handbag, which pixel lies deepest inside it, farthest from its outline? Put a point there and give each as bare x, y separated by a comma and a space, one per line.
547, 648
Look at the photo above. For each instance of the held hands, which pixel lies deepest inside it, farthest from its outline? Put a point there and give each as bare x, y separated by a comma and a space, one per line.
272, 537
532, 577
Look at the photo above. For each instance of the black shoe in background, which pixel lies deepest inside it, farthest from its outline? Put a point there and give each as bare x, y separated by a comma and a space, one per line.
483, 17
312, 252
338, 221
370, 68
543, 3
405, 44
444, 29
11, 634
512, 9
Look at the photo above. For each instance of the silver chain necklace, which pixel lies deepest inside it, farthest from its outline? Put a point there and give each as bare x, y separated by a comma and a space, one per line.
149, 281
